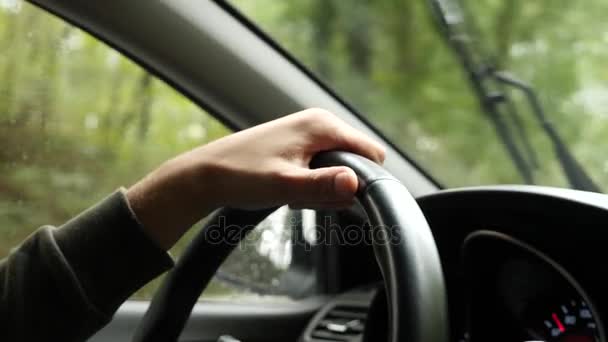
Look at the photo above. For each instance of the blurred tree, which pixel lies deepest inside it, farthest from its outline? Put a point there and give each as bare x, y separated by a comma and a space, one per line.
386, 57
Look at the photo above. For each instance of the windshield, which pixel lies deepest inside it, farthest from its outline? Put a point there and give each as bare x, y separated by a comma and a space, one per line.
392, 62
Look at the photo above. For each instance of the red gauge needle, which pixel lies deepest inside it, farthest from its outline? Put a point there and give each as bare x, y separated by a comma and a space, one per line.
560, 326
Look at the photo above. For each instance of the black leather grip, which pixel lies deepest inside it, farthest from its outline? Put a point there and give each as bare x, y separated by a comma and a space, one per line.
366, 170
405, 251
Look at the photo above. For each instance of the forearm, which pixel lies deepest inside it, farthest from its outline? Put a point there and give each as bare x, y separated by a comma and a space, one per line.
67, 282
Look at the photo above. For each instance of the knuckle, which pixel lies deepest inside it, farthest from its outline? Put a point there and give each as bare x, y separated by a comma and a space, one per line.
382, 154
321, 187
280, 177
315, 111
316, 117
282, 182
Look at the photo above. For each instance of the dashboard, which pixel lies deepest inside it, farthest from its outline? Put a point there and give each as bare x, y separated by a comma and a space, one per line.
516, 293
521, 263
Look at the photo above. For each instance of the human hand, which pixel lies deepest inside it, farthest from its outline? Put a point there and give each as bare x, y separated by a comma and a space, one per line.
260, 167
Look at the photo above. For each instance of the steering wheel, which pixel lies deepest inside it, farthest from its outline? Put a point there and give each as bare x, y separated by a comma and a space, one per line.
402, 240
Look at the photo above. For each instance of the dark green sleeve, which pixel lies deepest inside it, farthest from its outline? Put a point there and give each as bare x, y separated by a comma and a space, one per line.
64, 284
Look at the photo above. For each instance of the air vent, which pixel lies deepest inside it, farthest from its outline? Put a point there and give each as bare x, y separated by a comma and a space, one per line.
343, 323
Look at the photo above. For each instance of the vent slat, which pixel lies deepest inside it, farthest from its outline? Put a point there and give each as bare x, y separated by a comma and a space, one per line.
347, 314
341, 324
327, 336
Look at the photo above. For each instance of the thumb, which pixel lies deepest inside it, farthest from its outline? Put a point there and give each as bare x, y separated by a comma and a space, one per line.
325, 185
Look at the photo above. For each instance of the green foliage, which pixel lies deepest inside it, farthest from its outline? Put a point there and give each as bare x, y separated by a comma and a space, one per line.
387, 58
77, 121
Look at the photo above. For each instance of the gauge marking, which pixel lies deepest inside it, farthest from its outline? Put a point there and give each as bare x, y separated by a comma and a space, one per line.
560, 326
585, 313
569, 320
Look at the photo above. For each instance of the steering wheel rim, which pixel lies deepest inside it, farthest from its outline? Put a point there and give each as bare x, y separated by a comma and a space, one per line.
402, 240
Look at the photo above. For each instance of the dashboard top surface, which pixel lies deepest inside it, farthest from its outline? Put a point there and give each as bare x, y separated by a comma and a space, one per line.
566, 227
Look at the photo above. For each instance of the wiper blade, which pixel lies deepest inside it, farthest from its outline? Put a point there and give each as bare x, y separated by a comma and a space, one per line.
485, 79
453, 27
575, 173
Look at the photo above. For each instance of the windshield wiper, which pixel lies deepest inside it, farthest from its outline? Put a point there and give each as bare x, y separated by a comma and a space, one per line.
576, 175
489, 85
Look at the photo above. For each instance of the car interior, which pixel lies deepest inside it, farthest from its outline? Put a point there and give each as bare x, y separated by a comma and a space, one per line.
412, 261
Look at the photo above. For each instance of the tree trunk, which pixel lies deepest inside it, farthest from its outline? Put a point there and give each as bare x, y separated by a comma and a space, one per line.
9, 70
145, 96
358, 37
323, 17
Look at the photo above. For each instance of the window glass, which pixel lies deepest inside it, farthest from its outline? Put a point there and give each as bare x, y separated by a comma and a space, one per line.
389, 60
275, 262
78, 120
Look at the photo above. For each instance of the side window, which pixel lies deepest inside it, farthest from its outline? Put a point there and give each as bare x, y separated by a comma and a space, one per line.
78, 120
275, 262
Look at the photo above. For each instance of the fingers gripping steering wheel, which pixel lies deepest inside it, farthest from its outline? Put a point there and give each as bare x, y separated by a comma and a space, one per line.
403, 244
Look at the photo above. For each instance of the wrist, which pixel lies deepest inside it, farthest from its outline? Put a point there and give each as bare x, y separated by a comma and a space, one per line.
170, 200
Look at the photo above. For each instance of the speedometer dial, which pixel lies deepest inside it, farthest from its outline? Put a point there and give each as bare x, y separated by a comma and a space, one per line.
528, 295
569, 321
